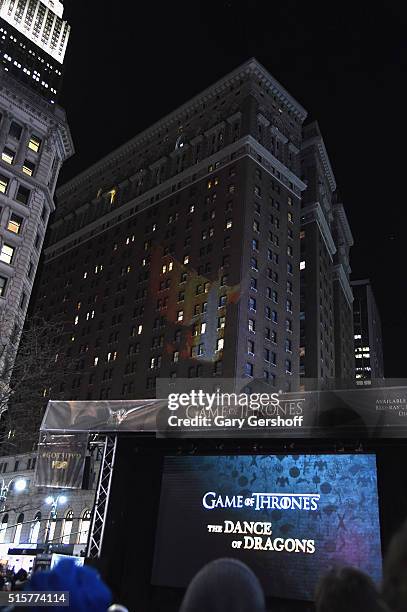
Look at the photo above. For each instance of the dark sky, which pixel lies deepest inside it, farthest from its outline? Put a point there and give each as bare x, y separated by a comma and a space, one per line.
130, 63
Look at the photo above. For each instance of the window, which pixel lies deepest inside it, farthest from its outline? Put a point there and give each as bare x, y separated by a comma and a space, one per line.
289, 268
252, 325
290, 217
35, 529
222, 301
15, 223
288, 346
28, 167
84, 526
67, 527
23, 300
7, 253
250, 347
3, 528
220, 343
221, 322
22, 195
256, 226
257, 191
34, 143
288, 366
3, 285
228, 223
180, 315
289, 306
288, 325
15, 130
249, 369
255, 244
4, 181
290, 250
8, 155
274, 316
252, 304
186, 259
19, 526
175, 356
302, 265
253, 284
253, 263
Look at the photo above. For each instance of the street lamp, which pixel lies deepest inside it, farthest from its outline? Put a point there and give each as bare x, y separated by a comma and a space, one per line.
20, 484
54, 502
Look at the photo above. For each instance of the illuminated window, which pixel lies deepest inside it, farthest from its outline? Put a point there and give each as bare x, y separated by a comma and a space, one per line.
34, 143
186, 259
252, 325
76, 320
8, 155
67, 527
220, 343
358, 337
4, 181
7, 253
229, 223
175, 356
84, 527
35, 529
302, 265
19, 526
180, 315
28, 167
3, 285
139, 330
3, 528
14, 224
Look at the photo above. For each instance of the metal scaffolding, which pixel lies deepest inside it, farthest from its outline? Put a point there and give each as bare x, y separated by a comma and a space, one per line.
95, 541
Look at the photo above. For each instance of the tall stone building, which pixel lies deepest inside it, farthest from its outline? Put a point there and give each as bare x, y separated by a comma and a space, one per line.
326, 297
34, 142
177, 255
369, 365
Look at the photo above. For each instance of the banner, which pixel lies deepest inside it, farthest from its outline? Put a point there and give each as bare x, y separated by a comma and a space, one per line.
61, 460
220, 411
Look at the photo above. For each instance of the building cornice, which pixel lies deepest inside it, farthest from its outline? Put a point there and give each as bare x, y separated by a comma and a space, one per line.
339, 274
339, 210
315, 213
318, 141
251, 67
246, 146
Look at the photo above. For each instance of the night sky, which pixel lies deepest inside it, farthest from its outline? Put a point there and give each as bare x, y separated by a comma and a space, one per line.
130, 63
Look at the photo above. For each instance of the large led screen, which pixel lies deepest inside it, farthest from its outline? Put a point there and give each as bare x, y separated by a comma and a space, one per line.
289, 517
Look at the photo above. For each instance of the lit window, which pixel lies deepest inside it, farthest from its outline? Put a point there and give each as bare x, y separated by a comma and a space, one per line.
186, 259
7, 253
14, 224
302, 265
170, 266
4, 181
203, 328
358, 337
220, 344
76, 320
28, 167
95, 361
85, 274
191, 208
229, 223
139, 329
180, 315
8, 155
3, 284
252, 325
175, 356
34, 143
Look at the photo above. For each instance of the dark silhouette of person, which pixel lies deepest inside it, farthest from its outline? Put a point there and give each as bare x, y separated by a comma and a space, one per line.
347, 589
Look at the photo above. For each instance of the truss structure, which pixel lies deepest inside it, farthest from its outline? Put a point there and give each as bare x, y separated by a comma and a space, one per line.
95, 541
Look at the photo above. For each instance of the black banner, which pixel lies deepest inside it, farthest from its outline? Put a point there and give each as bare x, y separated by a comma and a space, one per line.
61, 460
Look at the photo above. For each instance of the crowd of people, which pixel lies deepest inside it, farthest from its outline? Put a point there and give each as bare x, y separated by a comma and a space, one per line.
228, 585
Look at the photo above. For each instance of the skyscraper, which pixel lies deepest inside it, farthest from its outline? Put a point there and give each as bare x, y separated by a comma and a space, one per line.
33, 41
34, 142
178, 253
369, 364
326, 357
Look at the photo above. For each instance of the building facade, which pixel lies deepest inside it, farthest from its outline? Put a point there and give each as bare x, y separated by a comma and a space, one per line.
326, 296
34, 142
368, 347
177, 255
32, 517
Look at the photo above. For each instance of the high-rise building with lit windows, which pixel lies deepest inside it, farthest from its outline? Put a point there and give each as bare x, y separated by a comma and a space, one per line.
33, 42
34, 142
326, 317
369, 366
177, 255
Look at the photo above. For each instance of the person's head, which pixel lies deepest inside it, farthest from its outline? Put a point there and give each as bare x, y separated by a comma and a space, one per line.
87, 591
347, 589
21, 575
395, 572
224, 585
